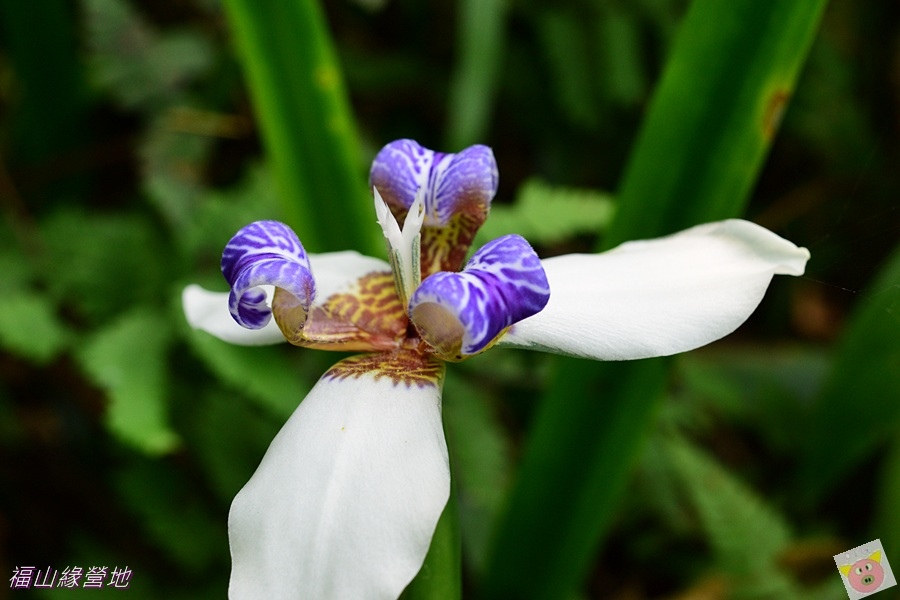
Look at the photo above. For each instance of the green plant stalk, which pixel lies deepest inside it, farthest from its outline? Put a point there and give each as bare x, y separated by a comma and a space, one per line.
303, 111
711, 121
481, 41
440, 577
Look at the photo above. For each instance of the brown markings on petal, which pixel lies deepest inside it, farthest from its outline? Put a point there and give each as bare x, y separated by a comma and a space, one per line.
368, 317
402, 366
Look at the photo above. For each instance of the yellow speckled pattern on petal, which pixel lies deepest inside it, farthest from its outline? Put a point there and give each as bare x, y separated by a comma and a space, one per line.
444, 248
368, 317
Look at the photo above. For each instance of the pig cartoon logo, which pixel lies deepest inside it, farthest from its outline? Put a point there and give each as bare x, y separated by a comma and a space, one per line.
865, 575
865, 570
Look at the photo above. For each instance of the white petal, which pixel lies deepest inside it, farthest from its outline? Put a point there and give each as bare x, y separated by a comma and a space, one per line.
208, 311
337, 272
334, 272
346, 499
657, 297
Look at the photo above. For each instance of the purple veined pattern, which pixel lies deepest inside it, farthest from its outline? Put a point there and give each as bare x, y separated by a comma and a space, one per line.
265, 253
465, 182
461, 314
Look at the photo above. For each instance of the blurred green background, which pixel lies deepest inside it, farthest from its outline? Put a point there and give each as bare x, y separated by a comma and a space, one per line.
137, 137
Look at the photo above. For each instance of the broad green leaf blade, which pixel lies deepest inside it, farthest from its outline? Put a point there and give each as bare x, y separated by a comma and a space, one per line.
714, 114
481, 41
859, 402
712, 118
562, 500
302, 108
127, 359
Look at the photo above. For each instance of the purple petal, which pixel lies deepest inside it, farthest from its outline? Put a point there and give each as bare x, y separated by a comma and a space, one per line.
456, 189
460, 314
465, 182
264, 253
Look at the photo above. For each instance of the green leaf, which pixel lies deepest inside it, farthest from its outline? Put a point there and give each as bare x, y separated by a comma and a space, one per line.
619, 44
140, 67
714, 114
548, 214
263, 373
858, 404
172, 514
219, 214
887, 499
101, 264
481, 34
712, 118
747, 536
304, 113
440, 577
173, 164
229, 438
760, 387
482, 460
29, 326
566, 47
127, 359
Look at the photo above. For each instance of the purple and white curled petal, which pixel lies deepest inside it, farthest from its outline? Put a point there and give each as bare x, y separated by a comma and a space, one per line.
265, 253
208, 311
465, 182
461, 314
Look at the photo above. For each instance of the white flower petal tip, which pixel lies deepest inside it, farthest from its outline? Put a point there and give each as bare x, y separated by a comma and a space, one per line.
346, 499
208, 311
784, 257
657, 297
